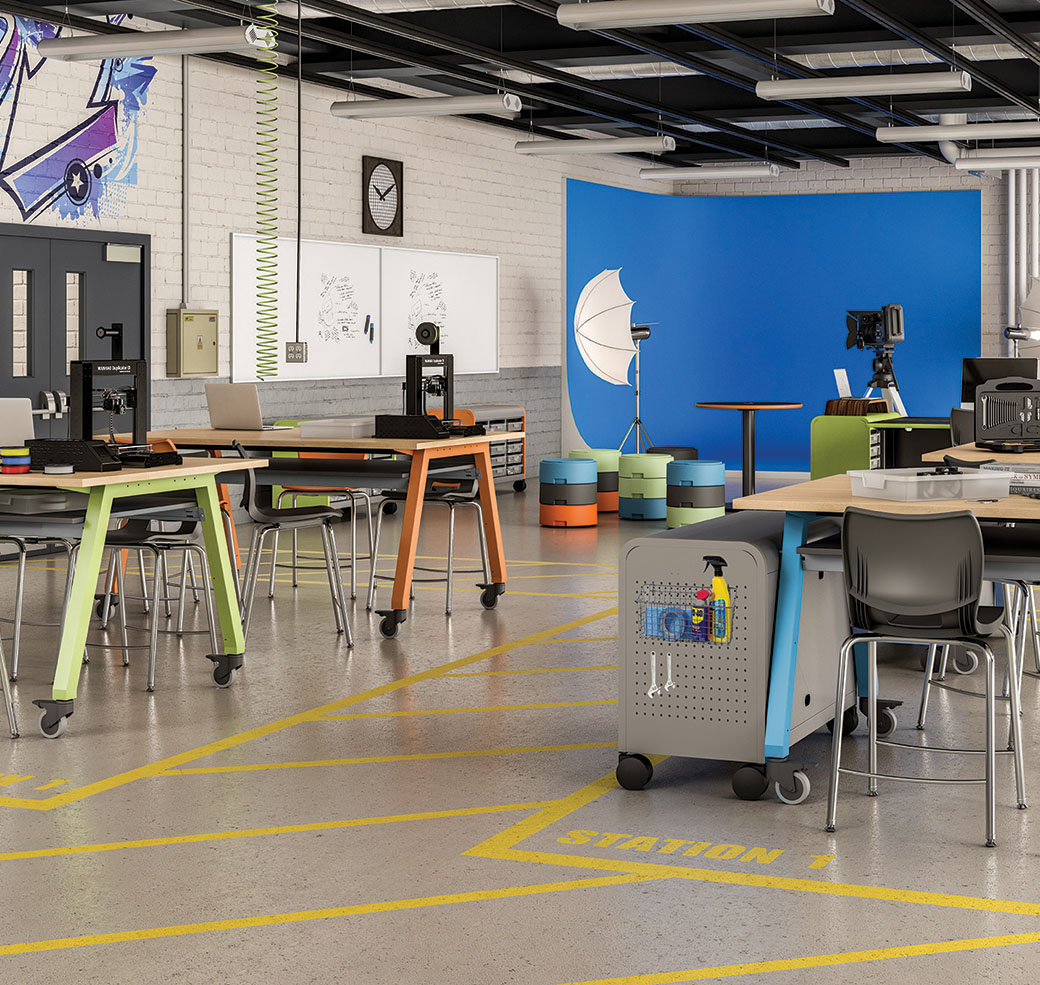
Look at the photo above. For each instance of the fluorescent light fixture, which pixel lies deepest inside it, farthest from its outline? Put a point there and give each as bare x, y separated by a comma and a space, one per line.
997, 163
720, 174
958, 131
606, 145
143, 43
904, 84
600, 14
502, 104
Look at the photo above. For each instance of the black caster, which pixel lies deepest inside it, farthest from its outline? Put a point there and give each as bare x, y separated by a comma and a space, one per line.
520, 485
54, 717
391, 621
886, 722
749, 782
796, 793
849, 721
390, 507
99, 608
225, 668
489, 595
633, 771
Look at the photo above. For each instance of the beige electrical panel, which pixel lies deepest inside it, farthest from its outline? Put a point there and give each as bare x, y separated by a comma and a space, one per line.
191, 343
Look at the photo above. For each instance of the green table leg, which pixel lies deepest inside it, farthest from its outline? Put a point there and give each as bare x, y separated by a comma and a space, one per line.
77, 618
224, 664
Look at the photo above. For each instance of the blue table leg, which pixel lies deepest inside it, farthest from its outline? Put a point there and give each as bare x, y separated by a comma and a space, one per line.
785, 637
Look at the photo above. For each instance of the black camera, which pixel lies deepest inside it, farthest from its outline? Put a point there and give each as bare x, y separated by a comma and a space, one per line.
875, 329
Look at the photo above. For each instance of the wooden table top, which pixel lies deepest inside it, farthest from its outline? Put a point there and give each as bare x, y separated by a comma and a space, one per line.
834, 493
747, 405
969, 453
87, 480
288, 439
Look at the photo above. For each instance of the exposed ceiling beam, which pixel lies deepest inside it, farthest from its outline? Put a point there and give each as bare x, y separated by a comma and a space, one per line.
399, 28
639, 42
991, 19
906, 30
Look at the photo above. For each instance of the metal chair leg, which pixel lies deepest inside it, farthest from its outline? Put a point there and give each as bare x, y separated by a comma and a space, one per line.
844, 659
193, 579
182, 598
1014, 658
872, 683
110, 584
251, 574
353, 547
274, 564
207, 594
450, 574
19, 596
5, 686
332, 569
374, 561
153, 622
991, 750
160, 565
333, 556
926, 690
146, 605
124, 635
229, 534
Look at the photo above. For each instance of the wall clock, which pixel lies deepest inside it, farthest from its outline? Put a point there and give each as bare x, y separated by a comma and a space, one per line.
382, 193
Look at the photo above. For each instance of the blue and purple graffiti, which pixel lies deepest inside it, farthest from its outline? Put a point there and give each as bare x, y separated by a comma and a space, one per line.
88, 168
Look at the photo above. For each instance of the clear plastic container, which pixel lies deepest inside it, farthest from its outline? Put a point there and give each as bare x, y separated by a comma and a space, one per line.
910, 485
339, 427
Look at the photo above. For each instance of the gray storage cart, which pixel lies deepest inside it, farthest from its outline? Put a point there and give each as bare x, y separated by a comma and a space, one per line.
683, 695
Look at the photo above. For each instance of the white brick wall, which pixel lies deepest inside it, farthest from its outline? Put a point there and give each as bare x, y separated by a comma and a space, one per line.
903, 174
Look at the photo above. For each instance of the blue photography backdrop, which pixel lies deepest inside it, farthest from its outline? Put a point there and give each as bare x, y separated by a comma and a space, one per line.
750, 295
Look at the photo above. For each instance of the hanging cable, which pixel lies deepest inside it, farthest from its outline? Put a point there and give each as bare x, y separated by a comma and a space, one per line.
267, 199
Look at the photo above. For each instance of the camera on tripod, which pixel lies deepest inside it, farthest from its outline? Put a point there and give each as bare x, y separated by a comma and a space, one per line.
875, 329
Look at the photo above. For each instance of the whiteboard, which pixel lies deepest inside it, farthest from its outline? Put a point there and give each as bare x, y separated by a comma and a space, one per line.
346, 286
458, 292
339, 289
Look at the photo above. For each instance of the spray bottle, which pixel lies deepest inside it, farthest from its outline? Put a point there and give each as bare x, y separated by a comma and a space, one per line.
721, 611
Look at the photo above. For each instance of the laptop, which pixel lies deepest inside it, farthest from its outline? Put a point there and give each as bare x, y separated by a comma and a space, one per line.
236, 407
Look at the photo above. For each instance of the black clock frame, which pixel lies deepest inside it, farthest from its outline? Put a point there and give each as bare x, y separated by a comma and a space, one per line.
368, 224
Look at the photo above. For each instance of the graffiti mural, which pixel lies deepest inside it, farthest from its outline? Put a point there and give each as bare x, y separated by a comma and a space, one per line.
87, 169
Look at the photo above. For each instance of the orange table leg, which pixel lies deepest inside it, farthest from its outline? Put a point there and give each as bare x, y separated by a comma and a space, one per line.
492, 529
392, 618
224, 497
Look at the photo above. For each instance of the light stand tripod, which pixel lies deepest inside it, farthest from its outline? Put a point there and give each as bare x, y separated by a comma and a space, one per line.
639, 333
884, 379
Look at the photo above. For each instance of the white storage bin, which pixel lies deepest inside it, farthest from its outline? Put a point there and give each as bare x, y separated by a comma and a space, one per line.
339, 427
910, 485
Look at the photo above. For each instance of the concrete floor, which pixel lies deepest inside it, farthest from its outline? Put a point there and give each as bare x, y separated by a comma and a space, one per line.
403, 812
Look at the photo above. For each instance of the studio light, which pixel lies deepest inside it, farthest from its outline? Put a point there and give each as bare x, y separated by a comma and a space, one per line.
646, 13
606, 145
501, 104
958, 131
718, 174
140, 44
906, 84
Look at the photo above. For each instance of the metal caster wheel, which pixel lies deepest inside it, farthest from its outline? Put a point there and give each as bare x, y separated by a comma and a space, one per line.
99, 608
489, 598
849, 721
886, 722
54, 731
388, 627
749, 782
799, 794
965, 663
224, 678
225, 668
520, 485
633, 771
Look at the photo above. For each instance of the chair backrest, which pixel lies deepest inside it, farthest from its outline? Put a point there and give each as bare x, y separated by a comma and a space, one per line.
962, 426
16, 421
249, 503
912, 575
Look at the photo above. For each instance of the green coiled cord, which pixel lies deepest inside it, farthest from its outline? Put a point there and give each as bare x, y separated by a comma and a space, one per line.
267, 199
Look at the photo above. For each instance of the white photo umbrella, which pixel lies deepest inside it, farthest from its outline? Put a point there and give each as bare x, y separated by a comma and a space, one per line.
607, 339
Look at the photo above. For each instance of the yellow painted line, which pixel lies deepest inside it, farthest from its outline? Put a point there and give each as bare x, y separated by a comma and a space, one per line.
300, 916
10, 779
53, 783
500, 846
466, 711
819, 961
544, 670
591, 594
233, 741
406, 758
116, 846
589, 639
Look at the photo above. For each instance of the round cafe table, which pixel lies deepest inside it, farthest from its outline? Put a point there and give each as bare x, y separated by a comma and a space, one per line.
747, 409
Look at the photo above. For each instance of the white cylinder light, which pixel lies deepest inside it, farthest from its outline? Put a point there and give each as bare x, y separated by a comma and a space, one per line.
606, 145
501, 104
719, 174
906, 84
958, 131
139, 44
600, 14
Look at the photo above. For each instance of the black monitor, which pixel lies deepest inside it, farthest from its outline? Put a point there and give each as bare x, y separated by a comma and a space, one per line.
982, 369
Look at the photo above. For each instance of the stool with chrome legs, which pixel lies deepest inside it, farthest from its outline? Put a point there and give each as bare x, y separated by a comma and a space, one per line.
918, 580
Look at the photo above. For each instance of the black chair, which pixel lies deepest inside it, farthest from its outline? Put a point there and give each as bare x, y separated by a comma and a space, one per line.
918, 580
269, 520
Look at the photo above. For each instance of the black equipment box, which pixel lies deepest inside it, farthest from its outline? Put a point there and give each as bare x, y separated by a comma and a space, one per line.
1007, 415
